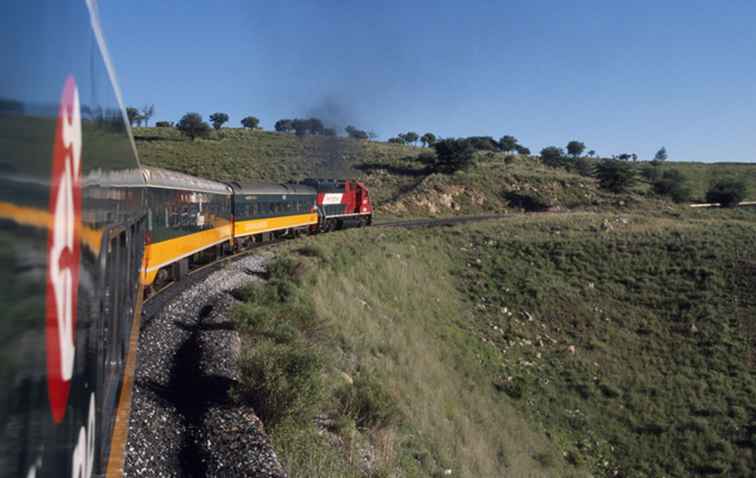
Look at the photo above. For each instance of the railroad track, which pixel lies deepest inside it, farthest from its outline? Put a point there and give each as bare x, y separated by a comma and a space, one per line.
447, 221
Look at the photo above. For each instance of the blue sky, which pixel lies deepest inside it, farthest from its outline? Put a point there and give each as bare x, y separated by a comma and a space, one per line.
619, 76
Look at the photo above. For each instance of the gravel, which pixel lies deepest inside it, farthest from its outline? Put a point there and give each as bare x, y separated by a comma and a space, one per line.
183, 422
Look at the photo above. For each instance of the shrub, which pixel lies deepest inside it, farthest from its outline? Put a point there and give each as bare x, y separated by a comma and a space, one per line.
367, 403
281, 381
651, 172
728, 192
191, 125
527, 201
218, 119
251, 122
584, 166
575, 148
508, 143
163, 124
616, 175
673, 184
552, 156
453, 154
483, 143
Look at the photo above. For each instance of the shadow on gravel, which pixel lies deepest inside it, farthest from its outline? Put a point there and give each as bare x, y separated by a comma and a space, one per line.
192, 393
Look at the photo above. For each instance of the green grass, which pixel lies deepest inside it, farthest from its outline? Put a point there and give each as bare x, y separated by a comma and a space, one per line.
451, 348
701, 175
659, 313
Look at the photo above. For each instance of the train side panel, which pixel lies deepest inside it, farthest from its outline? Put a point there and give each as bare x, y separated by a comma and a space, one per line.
185, 215
272, 208
71, 243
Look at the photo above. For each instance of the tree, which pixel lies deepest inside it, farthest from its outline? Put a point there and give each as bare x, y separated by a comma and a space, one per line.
575, 148
616, 175
584, 166
453, 154
329, 132
217, 119
372, 135
672, 183
508, 143
660, 156
163, 124
315, 126
552, 156
484, 143
284, 126
592, 153
250, 122
624, 157
522, 150
355, 133
132, 113
728, 192
301, 127
651, 171
396, 140
411, 137
147, 112
191, 125
428, 139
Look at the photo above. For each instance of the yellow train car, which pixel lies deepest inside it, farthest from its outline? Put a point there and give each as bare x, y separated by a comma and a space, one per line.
261, 210
185, 216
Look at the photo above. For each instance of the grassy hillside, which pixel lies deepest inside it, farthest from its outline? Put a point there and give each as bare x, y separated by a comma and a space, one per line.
553, 345
400, 180
701, 175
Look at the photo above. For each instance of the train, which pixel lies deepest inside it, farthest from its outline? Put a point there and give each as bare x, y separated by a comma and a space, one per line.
191, 220
86, 231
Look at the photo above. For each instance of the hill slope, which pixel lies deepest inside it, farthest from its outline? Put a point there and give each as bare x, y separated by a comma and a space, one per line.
567, 345
401, 182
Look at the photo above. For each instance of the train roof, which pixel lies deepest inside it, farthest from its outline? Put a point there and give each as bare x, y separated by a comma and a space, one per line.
270, 188
167, 179
120, 178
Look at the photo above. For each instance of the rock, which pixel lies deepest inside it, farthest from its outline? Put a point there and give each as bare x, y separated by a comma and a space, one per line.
571, 349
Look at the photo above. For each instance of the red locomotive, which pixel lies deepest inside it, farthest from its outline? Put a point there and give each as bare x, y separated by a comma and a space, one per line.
341, 203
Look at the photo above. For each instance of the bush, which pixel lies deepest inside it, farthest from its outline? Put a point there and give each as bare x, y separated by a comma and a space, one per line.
651, 172
584, 166
616, 175
527, 201
453, 154
191, 125
163, 124
483, 143
728, 192
553, 156
218, 119
673, 184
281, 381
367, 403
250, 122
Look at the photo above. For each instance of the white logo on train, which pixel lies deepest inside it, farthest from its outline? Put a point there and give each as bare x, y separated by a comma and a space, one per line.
63, 251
